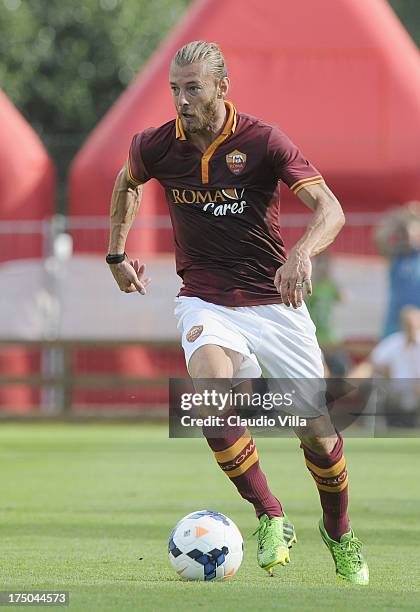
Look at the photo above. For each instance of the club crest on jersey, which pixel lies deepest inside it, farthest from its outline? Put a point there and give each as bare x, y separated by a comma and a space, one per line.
194, 333
236, 161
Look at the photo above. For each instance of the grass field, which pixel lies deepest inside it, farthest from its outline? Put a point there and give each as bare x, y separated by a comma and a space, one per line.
80, 504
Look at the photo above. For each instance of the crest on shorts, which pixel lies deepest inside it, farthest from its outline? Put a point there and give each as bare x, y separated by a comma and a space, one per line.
236, 161
194, 333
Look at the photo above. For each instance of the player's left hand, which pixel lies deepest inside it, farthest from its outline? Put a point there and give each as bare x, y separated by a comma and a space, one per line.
292, 276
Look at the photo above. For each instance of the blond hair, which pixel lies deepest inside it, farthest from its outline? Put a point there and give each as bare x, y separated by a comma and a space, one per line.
202, 51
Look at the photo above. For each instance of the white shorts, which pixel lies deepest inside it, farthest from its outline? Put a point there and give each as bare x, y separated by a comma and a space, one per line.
276, 341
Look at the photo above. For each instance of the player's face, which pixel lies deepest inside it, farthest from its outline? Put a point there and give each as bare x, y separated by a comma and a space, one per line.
196, 96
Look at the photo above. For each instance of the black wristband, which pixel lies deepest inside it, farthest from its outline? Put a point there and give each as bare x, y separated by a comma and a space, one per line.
115, 259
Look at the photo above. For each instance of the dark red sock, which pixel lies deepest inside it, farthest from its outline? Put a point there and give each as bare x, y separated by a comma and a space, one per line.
330, 475
236, 454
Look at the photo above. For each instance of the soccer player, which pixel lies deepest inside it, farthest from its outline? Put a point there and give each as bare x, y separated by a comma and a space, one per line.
240, 309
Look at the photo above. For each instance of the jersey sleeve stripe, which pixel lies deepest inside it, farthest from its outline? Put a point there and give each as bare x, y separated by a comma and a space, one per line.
309, 178
130, 174
316, 182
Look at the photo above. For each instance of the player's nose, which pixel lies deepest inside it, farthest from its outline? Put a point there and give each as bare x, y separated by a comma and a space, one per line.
182, 100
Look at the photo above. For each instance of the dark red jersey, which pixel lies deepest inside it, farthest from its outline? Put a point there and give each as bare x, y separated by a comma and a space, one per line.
224, 204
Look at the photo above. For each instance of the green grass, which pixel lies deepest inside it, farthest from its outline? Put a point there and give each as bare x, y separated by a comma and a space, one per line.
79, 504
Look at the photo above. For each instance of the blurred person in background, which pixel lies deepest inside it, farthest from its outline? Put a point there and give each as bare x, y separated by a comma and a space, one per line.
321, 305
398, 238
397, 359
322, 301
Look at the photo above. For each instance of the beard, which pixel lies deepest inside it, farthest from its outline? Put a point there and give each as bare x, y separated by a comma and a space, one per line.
203, 118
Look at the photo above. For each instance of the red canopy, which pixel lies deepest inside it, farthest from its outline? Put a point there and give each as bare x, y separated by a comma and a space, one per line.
341, 78
27, 192
27, 179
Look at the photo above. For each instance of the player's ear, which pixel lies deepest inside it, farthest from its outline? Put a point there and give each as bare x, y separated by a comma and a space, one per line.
223, 87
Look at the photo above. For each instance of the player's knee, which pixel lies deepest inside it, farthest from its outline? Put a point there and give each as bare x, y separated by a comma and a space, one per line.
319, 445
211, 361
204, 369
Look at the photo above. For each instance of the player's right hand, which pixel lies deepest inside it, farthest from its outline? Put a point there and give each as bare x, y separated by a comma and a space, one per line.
129, 276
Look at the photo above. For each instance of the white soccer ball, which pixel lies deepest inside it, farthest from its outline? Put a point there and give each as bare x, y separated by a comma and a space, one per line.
205, 545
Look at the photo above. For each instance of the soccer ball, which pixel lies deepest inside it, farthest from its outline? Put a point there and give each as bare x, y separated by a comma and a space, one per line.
205, 545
